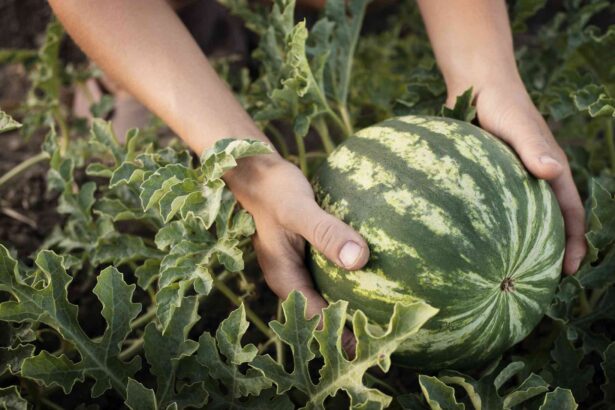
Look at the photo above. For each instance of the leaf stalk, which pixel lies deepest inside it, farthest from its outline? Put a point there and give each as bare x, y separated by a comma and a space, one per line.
22, 166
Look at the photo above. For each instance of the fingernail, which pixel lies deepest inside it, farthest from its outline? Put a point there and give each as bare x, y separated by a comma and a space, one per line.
349, 254
549, 160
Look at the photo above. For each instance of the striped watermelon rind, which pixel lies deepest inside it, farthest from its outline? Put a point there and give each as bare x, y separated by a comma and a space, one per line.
452, 218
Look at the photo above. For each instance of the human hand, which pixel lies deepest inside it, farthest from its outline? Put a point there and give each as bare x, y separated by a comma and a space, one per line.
281, 201
505, 109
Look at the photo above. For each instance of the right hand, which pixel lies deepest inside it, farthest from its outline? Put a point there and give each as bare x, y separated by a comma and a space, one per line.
281, 201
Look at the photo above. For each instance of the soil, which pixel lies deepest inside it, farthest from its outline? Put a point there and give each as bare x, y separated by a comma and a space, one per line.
27, 212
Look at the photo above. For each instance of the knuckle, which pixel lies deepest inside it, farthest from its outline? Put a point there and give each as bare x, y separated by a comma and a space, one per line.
323, 234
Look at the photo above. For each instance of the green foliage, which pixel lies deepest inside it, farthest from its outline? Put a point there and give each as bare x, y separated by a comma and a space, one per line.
7, 123
338, 373
41, 296
124, 302
463, 109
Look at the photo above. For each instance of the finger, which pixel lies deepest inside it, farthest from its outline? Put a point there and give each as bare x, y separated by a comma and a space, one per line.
337, 241
574, 219
534, 144
284, 272
349, 343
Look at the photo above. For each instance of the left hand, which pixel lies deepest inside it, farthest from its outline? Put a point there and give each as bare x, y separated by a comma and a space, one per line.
506, 110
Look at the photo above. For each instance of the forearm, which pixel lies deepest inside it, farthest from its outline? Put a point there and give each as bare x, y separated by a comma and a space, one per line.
472, 41
144, 46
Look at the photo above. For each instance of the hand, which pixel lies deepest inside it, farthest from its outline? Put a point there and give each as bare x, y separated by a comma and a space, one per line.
505, 109
281, 201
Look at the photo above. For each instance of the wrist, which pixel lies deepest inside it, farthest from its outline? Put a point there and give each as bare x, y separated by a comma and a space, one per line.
504, 78
243, 180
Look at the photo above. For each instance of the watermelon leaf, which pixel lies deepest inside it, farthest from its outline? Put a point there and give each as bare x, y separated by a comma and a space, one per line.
608, 366
139, 397
567, 371
164, 351
7, 123
438, 394
10, 398
523, 9
485, 393
223, 366
338, 373
48, 303
559, 399
463, 109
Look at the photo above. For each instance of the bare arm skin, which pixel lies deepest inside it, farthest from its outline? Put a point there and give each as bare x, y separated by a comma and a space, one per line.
473, 45
144, 46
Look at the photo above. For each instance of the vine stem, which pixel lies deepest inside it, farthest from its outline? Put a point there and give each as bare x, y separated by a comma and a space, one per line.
134, 348
50, 404
596, 295
64, 134
584, 306
253, 317
279, 346
279, 139
22, 166
323, 131
610, 142
301, 153
375, 380
346, 131
346, 119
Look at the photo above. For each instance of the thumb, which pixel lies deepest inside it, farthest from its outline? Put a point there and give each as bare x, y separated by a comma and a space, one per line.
340, 243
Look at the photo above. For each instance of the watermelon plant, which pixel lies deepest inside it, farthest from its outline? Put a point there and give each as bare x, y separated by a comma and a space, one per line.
145, 294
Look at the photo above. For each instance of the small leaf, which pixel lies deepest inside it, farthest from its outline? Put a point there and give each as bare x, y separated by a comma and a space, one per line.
559, 399
608, 367
601, 232
439, 396
53, 371
11, 359
567, 371
7, 123
523, 10
138, 397
531, 387
164, 350
228, 342
10, 399
463, 109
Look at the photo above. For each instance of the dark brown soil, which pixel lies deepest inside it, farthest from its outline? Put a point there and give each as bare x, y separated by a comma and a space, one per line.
27, 212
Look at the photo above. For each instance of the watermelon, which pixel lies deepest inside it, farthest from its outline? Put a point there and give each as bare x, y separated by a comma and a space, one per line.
451, 218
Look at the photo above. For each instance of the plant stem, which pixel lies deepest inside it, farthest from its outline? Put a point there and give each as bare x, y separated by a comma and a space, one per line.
22, 166
346, 119
134, 348
595, 296
346, 132
584, 306
264, 346
610, 142
64, 134
377, 381
301, 153
50, 404
144, 319
253, 317
278, 138
323, 131
279, 346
